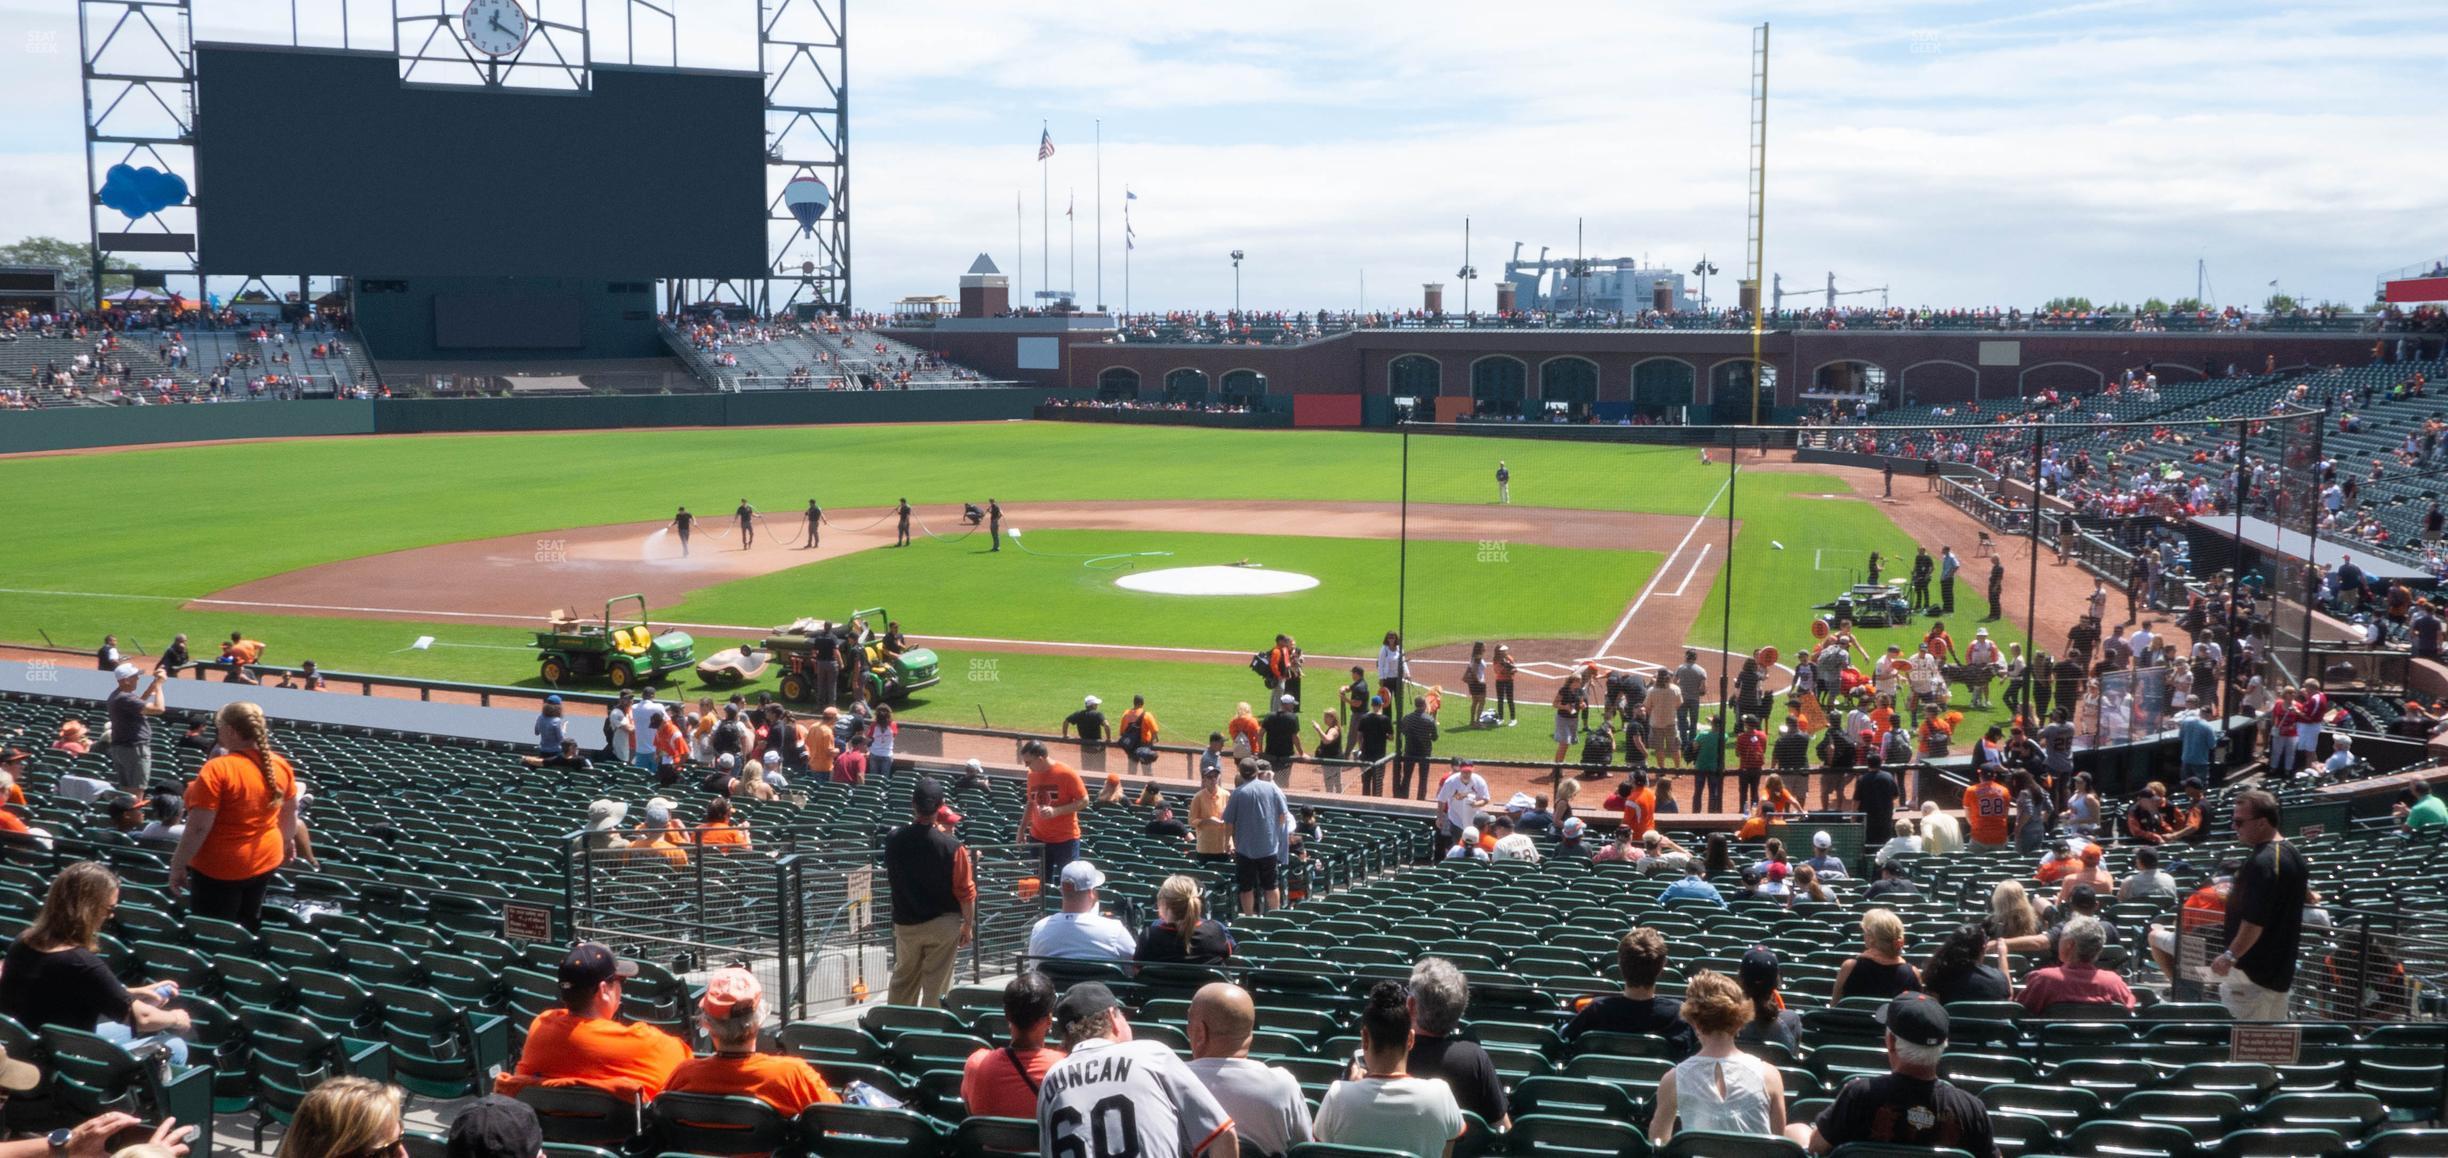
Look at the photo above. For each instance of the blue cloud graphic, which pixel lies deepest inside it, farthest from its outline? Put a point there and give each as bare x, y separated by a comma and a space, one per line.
142, 192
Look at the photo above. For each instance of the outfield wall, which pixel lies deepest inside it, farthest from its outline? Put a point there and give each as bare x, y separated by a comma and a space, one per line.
72, 428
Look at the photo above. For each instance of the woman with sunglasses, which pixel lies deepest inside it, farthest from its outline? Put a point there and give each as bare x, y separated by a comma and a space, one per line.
54, 976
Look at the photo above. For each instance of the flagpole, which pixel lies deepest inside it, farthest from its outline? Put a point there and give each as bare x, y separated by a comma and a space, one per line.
1019, 244
1045, 208
1128, 244
1071, 223
1100, 214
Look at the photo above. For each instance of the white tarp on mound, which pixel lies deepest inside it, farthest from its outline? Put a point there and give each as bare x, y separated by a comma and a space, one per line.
1217, 581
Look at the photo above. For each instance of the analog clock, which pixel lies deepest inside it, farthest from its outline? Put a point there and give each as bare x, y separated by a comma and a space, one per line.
497, 28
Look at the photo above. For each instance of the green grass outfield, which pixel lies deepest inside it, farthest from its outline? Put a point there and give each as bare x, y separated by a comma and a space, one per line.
145, 530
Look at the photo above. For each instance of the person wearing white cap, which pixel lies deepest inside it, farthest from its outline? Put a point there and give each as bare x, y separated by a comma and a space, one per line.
1089, 722
1079, 930
131, 727
1466, 846
1281, 730
1822, 860
658, 835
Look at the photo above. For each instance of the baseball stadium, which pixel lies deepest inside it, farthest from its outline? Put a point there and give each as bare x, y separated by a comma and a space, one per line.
576, 680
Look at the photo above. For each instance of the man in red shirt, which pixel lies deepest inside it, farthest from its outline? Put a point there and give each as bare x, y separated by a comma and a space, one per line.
2076, 978
1051, 814
582, 1043
1750, 756
1001, 1081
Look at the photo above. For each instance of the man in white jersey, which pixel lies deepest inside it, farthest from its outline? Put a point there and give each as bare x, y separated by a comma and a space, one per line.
1110, 1096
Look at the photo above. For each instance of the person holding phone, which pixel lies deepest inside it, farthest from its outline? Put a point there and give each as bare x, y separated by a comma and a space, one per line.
54, 974
131, 727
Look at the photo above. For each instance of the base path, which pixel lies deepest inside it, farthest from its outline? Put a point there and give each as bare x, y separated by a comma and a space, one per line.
515, 579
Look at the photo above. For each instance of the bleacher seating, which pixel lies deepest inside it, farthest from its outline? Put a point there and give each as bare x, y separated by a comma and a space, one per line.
388, 960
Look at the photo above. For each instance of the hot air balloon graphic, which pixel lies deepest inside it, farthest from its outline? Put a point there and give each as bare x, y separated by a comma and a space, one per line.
808, 199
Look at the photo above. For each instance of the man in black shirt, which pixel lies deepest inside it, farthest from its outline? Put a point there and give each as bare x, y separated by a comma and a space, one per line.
901, 537
1439, 994
1909, 1105
815, 520
747, 524
1089, 721
2264, 915
682, 522
994, 524
1419, 736
173, 657
1280, 733
934, 900
1922, 567
1374, 731
1892, 882
1640, 958
1876, 792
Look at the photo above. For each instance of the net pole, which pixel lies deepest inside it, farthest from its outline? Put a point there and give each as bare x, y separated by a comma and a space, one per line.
1725, 624
2031, 589
1402, 578
2230, 695
2312, 524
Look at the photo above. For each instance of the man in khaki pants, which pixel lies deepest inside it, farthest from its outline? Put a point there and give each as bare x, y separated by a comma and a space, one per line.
934, 898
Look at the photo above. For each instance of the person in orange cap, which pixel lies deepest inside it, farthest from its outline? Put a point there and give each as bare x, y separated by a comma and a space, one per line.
731, 1011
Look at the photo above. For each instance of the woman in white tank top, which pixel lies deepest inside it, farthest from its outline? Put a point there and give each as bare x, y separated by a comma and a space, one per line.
1719, 1088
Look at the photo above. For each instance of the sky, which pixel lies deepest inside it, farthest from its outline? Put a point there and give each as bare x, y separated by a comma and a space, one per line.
1959, 154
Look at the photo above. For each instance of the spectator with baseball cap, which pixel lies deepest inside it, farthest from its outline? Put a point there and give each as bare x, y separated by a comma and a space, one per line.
553, 748
934, 898
1002, 1081
1910, 1104
131, 727
495, 1127
732, 1011
1760, 977
583, 1043
1261, 822
1170, 1110
1823, 859
659, 836
1079, 930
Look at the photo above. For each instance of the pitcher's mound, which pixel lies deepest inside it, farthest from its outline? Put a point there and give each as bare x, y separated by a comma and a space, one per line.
1217, 581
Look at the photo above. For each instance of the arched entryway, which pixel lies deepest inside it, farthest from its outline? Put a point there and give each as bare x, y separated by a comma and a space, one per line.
1571, 381
1244, 388
1118, 384
1850, 380
1415, 376
1731, 387
1499, 383
1937, 380
1662, 387
1187, 384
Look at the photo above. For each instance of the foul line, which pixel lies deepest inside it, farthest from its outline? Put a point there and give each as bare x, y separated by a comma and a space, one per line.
1660, 573
1698, 559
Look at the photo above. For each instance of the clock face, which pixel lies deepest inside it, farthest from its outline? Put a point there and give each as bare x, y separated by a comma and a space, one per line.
496, 27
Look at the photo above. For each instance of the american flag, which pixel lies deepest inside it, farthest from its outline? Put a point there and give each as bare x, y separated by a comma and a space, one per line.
1045, 143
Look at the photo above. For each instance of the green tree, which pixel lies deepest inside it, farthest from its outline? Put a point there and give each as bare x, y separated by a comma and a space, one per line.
76, 257
2186, 305
2078, 304
2280, 303
2153, 305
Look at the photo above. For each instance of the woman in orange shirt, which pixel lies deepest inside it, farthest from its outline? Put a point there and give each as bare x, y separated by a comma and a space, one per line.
242, 822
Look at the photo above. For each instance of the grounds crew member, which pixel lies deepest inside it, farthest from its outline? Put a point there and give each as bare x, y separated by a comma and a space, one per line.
1921, 568
682, 522
994, 524
903, 510
815, 515
584, 1044
747, 522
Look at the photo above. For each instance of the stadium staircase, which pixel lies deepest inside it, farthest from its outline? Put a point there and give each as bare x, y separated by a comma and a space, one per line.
389, 958
20, 359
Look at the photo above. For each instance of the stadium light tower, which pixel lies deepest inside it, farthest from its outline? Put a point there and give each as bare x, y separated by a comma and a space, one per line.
1236, 260
1468, 273
1702, 271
